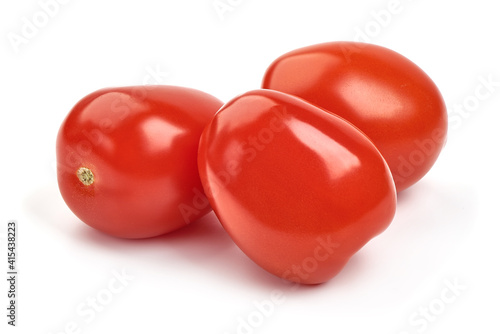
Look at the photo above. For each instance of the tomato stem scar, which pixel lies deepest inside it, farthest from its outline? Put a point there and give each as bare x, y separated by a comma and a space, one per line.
85, 176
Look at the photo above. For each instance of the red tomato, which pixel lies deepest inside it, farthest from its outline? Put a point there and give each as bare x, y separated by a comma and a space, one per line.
381, 92
127, 159
299, 190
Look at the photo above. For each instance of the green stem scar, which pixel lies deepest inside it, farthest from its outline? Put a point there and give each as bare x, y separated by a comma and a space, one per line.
85, 176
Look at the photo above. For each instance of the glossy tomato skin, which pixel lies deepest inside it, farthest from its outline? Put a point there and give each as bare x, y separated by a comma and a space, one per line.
381, 92
140, 143
299, 190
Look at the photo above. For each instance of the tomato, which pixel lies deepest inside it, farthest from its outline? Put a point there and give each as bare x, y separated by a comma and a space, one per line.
381, 92
127, 159
299, 190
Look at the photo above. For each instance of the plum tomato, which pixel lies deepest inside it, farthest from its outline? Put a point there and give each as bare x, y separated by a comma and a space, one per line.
381, 92
126, 158
299, 190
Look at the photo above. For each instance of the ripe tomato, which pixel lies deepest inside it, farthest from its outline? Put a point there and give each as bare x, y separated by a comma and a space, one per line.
127, 158
378, 90
299, 190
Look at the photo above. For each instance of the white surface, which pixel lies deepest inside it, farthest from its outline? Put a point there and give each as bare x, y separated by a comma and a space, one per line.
195, 280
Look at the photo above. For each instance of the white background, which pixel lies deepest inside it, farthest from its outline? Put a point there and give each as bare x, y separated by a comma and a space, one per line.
195, 280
